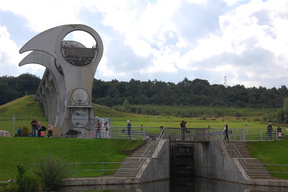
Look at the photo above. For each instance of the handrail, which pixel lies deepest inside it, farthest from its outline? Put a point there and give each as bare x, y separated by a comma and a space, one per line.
144, 154
161, 135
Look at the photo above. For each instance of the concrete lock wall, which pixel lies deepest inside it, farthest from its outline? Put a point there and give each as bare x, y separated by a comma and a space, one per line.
212, 161
158, 168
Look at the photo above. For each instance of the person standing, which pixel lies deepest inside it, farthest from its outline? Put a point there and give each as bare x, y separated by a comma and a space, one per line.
107, 128
279, 133
19, 132
269, 131
128, 130
34, 127
50, 131
226, 132
39, 129
183, 129
98, 129
183, 124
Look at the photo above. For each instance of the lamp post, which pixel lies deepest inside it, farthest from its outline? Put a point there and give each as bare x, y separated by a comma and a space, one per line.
13, 121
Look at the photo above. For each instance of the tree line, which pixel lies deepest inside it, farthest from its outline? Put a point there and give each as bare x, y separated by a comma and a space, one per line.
12, 88
197, 92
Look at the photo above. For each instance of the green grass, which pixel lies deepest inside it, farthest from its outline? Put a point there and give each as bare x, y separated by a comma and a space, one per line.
29, 150
272, 152
26, 108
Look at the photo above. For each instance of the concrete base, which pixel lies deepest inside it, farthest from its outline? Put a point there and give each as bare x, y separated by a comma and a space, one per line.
212, 161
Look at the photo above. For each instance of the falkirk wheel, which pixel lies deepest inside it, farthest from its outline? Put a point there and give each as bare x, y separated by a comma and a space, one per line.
66, 87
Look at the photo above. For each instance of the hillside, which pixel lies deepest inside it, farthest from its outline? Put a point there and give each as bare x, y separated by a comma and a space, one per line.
26, 108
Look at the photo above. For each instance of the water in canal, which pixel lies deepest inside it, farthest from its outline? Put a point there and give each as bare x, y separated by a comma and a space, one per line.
179, 185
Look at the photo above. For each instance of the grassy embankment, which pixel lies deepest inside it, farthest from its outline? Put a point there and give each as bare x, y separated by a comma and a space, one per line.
27, 150
272, 152
30, 150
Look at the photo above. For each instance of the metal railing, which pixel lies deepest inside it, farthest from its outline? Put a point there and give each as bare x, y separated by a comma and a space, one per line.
148, 150
76, 168
252, 134
187, 134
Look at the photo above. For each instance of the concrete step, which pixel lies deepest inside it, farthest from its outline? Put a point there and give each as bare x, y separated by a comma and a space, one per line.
259, 174
141, 154
251, 160
125, 174
127, 171
130, 166
254, 168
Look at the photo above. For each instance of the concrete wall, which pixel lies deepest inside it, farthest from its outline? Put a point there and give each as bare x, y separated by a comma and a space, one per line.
212, 161
158, 168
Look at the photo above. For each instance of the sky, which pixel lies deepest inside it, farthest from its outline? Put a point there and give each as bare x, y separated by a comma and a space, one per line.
230, 42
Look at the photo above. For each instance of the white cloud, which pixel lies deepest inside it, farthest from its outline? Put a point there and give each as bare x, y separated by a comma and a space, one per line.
9, 56
245, 40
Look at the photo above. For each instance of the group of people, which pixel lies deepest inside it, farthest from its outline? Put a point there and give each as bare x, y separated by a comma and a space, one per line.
38, 129
183, 130
106, 128
269, 133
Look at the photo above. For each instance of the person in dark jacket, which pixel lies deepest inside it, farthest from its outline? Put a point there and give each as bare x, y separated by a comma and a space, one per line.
128, 130
34, 127
226, 132
183, 129
269, 131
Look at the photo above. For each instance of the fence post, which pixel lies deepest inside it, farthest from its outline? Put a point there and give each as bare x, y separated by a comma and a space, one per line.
102, 169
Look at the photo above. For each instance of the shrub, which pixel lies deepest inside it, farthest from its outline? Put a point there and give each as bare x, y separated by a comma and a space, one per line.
25, 131
45, 176
27, 181
51, 172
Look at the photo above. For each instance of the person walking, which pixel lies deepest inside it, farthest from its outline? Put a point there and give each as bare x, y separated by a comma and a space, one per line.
128, 130
226, 132
269, 131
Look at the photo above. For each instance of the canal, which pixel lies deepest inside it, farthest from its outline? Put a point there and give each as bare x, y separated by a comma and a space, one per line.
195, 184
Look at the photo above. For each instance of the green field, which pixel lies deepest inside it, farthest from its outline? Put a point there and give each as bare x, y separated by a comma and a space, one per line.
26, 108
17, 150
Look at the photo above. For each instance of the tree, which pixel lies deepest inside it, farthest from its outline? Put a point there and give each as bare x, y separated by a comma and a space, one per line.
126, 105
285, 110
